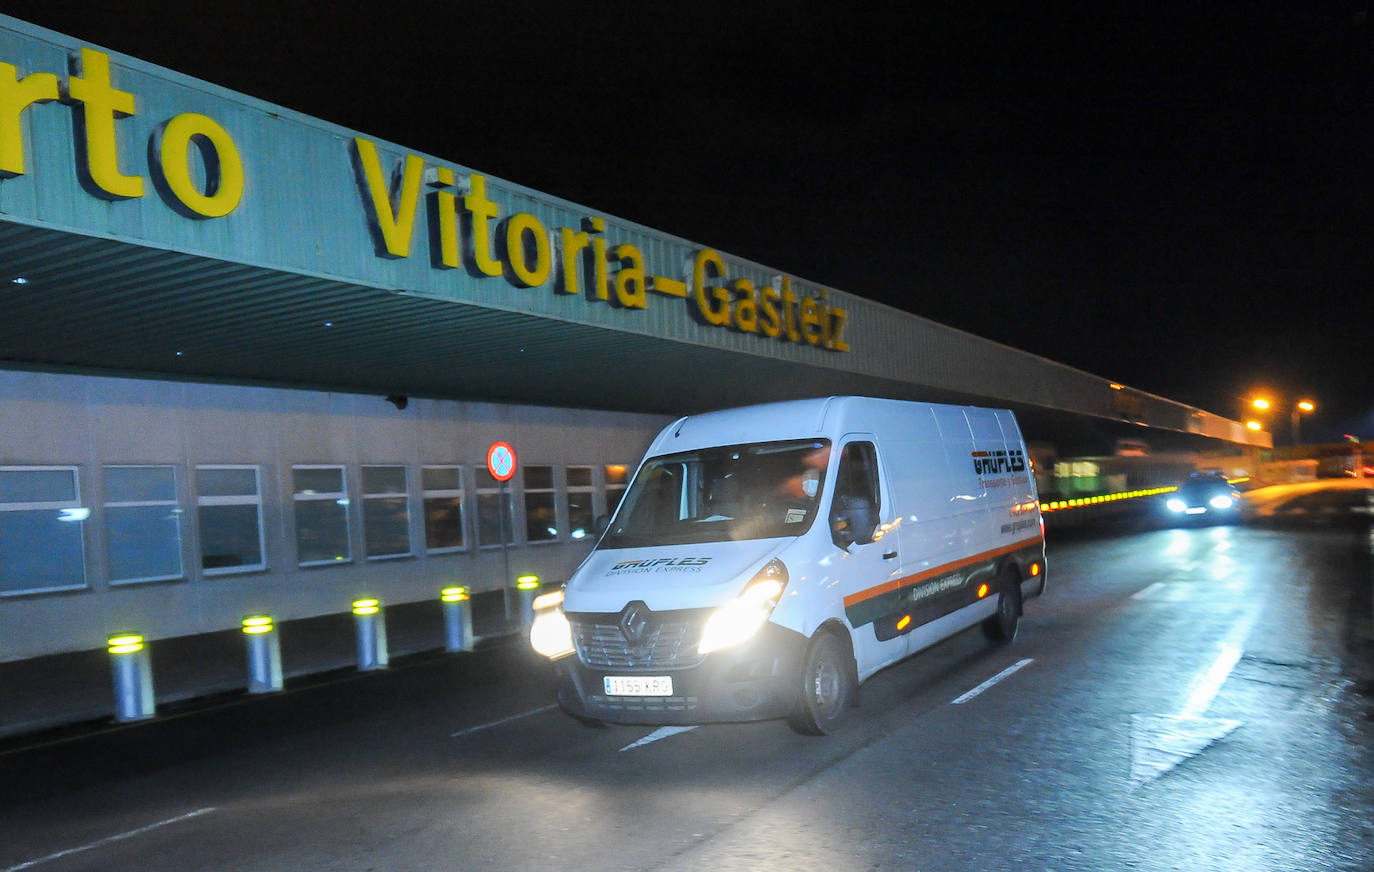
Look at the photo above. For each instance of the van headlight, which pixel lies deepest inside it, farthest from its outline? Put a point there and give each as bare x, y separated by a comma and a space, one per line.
550, 632
1221, 502
1176, 505
739, 619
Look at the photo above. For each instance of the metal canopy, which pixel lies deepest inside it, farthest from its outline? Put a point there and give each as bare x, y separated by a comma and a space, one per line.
90, 304
82, 303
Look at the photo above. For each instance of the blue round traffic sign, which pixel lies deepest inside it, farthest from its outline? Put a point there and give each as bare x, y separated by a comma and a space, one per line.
501, 461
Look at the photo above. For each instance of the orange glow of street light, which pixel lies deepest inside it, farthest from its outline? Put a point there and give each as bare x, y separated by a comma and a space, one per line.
1253, 425
1299, 409
1261, 404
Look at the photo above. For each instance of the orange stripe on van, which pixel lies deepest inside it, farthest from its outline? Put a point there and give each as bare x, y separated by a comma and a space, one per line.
907, 581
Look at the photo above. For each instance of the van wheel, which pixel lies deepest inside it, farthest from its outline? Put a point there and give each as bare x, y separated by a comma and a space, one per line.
1001, 627
827, 686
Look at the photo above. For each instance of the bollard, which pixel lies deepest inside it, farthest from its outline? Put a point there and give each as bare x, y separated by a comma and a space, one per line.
457, 619
528, 586
264, 654
371, 624
133, 677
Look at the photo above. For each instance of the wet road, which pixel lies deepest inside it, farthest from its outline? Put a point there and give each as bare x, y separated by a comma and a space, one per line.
1180, 700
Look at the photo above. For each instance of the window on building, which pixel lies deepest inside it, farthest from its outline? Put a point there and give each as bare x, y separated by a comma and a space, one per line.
489, 526
443, 504
229, 511
541, 505
581, 513
41, 539
617, 476
142, 523
386, 511
321, 515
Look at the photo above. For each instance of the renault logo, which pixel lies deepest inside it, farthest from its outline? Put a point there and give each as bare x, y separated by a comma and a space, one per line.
634, 622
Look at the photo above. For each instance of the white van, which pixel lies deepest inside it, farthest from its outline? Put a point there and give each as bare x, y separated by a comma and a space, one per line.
766, 560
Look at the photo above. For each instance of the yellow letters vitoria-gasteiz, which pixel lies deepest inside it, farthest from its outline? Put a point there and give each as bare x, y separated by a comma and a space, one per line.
98, 105
520, 248
470, 229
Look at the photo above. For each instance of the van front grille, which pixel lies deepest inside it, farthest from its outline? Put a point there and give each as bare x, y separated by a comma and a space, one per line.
631, 705
668, 641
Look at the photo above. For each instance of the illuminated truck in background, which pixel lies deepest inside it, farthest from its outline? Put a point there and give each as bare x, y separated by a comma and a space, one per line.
766, 560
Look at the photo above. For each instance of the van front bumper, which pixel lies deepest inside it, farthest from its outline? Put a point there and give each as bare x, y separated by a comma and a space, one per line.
755, 680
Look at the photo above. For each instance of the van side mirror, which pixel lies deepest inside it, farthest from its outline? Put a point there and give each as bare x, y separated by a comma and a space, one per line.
852, 521
841, 536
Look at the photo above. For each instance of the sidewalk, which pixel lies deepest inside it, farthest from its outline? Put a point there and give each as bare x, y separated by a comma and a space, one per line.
48, 692
1331, 497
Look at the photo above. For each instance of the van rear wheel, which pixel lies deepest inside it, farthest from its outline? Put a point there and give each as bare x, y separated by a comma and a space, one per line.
1001, 627
827, 686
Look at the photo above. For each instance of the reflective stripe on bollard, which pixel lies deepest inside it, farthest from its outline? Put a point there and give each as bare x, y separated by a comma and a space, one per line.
528, 586
133, 677
457, 604
371, 626
264, 654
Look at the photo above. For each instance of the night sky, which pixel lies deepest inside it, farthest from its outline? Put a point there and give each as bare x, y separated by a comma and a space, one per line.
1179, 197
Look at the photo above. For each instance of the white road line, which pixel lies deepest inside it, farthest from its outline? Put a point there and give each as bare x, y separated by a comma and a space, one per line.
480, 727
105, 841
1209, 683
660, 733
1161, 742
1148, 591
1005, 673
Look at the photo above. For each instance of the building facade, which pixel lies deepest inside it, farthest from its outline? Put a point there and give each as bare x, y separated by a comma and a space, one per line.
252, 361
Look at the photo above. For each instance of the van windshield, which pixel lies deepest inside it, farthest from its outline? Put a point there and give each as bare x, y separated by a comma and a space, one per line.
758, 491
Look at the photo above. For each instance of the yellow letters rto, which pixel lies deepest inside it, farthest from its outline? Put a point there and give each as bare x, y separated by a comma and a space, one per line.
392, 227
223, 166
100, 105
16, 95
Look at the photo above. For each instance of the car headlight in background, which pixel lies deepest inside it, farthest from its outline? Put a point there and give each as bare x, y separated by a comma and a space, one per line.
1176, 505
1221, 502
550, 632
739, 619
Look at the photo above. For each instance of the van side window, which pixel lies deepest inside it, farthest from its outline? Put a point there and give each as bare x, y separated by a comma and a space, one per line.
855, 509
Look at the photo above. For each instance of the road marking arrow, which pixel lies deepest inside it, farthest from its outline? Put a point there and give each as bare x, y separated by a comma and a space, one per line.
660, 733
1161, 742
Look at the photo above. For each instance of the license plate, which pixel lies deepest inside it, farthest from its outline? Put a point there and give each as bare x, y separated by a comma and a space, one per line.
639, 685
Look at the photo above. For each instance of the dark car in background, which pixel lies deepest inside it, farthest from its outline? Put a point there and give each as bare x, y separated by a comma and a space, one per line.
1204, 495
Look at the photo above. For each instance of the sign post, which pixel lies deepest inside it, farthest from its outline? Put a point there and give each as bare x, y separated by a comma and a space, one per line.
501, 465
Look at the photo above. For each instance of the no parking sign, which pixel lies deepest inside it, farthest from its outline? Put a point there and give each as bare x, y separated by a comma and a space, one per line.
501, 461
501, 465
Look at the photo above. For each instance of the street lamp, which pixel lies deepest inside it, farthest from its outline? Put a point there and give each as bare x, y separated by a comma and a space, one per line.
1261, 404
1300, 408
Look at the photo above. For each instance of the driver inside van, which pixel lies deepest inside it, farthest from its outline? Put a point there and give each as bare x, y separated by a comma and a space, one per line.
806, 484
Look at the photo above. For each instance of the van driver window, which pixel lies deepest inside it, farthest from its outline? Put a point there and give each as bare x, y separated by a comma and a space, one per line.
856, 501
